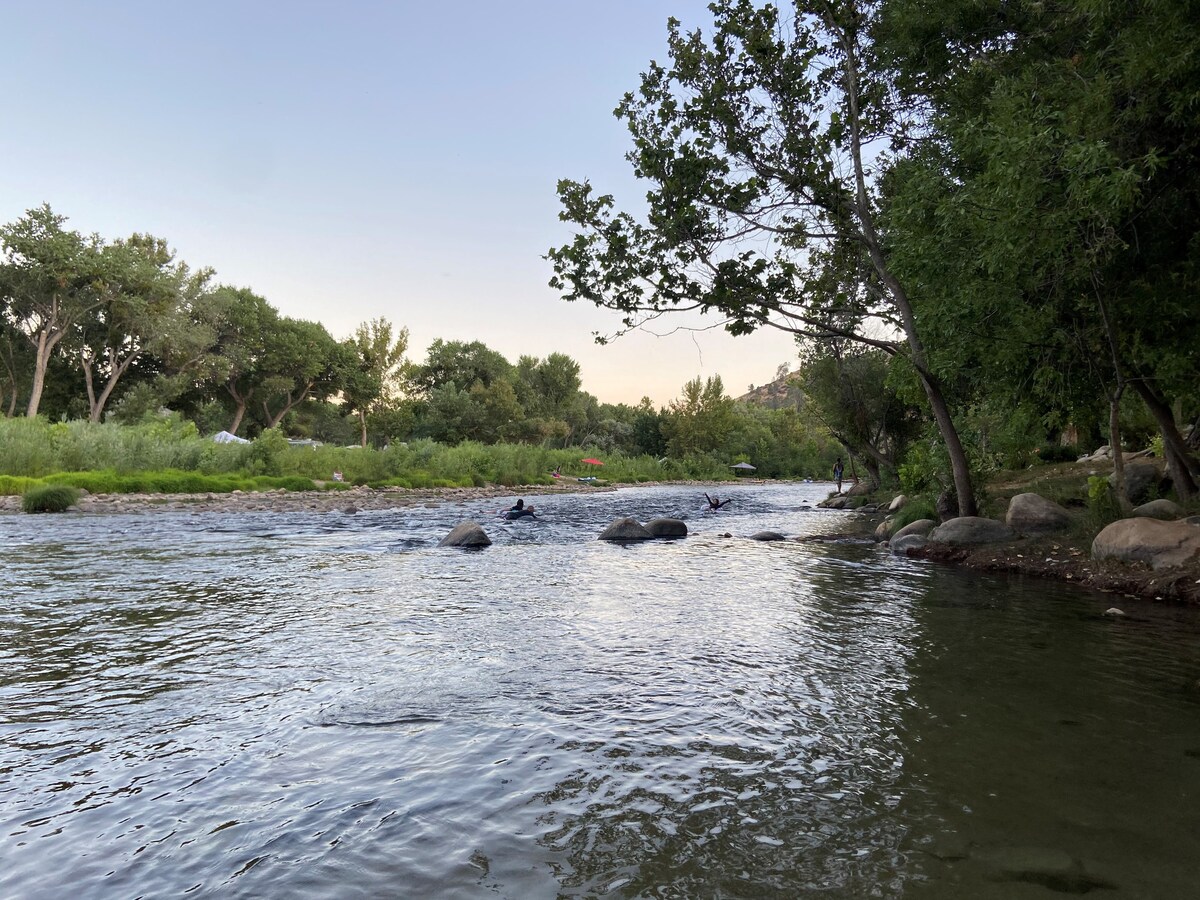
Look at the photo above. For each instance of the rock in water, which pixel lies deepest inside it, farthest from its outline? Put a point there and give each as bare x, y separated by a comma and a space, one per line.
466, 534
767, 536
667, 528
625, 529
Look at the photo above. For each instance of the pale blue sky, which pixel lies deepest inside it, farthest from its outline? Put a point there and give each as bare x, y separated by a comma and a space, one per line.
353, 160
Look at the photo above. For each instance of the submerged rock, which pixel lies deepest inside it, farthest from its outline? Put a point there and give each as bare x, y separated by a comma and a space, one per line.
466, 534
767, 536
626, 529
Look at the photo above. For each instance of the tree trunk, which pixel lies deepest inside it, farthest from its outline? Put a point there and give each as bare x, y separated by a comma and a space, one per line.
238, 413
362, 422
960, 469
1114, 437
44, 345
1180, 464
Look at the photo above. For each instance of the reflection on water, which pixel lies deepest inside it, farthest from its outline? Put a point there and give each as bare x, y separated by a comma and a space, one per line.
329, 705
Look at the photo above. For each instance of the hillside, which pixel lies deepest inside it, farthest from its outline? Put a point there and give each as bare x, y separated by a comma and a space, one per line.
783, 393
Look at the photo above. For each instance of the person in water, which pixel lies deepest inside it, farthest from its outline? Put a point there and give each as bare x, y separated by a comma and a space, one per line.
837, 474
714, 503
520, 511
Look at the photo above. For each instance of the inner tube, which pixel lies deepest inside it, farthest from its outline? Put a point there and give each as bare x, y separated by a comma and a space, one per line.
518, 514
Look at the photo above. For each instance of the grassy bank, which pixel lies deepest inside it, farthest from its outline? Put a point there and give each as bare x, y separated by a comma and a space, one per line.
168, 455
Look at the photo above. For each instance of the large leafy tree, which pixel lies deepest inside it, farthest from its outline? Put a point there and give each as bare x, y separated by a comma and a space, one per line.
1060, 202
374, 378
144, 297
51, 278
763, 142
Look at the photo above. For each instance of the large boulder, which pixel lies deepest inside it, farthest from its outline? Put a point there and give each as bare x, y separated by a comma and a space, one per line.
1159, 509
1034, 514
966, 531
920, 527
860, 489
883, 530
1141, 480
626, 529
667, 528
1161, 544
898, 501
466, 534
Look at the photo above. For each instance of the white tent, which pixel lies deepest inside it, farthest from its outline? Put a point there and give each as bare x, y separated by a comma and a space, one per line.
224, 437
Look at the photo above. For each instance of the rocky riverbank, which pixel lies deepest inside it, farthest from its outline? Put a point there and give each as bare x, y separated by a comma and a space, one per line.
337, 500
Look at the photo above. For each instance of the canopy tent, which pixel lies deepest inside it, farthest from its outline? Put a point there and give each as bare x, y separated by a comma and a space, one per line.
592, 461
744, 466
224, 437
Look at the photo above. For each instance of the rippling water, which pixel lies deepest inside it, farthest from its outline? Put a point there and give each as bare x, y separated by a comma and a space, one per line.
317, 705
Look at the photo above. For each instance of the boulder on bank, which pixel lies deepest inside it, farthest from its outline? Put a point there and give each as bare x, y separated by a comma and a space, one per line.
1141, 479
860, 489
898, 501
667, 528
466, 534
1034, 514
1159, 509
899, 546
626, 529
967, 531
1161, 544
920, 527
883, 530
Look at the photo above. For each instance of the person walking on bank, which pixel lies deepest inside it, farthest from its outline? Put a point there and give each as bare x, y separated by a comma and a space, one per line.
837, 474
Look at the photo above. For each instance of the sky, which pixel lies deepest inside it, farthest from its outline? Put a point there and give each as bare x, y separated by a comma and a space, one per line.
354, 160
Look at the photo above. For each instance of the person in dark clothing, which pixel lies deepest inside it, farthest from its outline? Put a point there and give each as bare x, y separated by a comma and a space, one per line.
714, 503
837, 474
520, 511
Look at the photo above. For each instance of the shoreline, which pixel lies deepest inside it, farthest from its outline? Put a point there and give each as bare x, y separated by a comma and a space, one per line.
1063, 559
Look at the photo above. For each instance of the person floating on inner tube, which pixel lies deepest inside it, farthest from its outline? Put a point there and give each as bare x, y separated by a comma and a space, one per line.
520, 511
714, 503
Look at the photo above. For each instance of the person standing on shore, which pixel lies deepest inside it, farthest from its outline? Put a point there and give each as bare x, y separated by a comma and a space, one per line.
837, 473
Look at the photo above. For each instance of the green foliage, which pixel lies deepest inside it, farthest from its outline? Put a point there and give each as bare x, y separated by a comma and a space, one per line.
11, 486
1054, 453
49, 498
916, 508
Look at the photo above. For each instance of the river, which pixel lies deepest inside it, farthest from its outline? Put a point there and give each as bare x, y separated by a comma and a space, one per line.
328, 705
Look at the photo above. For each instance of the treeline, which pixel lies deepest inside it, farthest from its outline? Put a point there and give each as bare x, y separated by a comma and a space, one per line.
981, 219
118, 331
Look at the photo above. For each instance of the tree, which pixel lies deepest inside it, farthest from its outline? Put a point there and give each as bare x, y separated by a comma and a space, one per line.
143, 295
464, 364
301, 361
374, 379
763, 144
700, 420
50, 279
241, 347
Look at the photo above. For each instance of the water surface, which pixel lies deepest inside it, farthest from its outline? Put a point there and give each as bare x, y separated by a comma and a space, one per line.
316, 705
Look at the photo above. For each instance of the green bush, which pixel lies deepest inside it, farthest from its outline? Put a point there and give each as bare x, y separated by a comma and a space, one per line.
1053, 453
914, 509
49, 498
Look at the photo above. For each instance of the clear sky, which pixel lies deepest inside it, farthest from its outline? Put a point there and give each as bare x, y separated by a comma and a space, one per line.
349, 160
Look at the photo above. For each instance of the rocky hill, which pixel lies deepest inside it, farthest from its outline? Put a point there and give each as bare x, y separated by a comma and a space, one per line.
783, 393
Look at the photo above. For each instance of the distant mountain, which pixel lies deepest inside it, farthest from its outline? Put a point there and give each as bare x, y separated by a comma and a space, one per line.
783, 393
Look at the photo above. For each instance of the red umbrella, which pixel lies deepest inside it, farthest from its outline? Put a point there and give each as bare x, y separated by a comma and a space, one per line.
592, 461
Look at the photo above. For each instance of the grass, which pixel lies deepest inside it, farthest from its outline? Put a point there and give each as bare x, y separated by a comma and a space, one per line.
45, 498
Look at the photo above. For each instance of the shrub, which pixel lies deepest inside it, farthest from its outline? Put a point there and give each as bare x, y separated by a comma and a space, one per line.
49, 498
917, 508
1053, 453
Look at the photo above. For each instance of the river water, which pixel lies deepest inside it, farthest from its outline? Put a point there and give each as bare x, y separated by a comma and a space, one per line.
328, 705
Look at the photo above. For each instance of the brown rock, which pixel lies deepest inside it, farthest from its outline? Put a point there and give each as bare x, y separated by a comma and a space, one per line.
1161, 544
